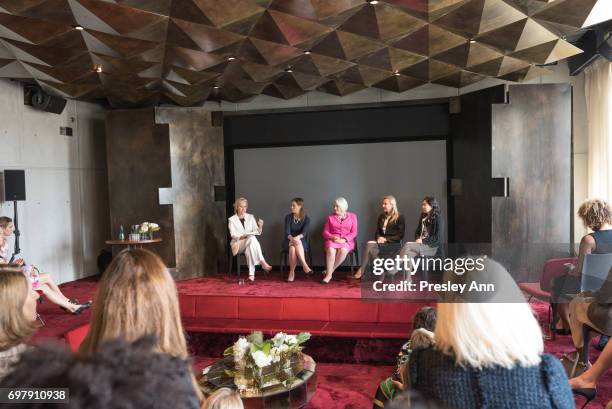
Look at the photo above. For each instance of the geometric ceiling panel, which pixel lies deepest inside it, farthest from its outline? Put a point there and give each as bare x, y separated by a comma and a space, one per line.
142, 52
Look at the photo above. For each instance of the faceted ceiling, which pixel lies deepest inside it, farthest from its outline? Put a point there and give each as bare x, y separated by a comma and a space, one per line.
184, 52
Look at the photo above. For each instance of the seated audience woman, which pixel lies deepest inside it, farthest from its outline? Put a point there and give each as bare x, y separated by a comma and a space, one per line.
389, 230
17, 316
224, 398
423, 325
7, 228
586, 383
43, 282
479, 360
119, 375
243, 230
339, 233
593, 309
429, 234
136, 297
596, 215
297, 224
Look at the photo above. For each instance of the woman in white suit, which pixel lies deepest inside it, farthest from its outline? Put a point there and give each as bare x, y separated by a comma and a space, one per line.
243, 230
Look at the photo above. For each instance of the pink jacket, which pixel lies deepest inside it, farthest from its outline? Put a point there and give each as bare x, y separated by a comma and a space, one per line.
346, 229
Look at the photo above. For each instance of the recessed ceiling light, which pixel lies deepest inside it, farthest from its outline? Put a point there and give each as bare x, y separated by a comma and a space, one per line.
215, 87
396, 73
372, 2
78, 27
472, 41
230, 58
306, 52
97, 68
288, 69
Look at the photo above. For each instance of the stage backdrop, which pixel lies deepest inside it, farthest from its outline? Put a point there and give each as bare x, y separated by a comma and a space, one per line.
362, 173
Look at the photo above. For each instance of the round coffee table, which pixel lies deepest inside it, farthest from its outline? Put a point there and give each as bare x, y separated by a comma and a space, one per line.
296, 395
132, 243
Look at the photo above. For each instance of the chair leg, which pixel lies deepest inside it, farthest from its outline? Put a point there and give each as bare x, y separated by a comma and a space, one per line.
230, 264
282, 262
586, 335
238, 266
553, 321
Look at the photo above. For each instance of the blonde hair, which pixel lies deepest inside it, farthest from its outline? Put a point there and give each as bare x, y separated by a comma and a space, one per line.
224, 398
240, 200
15, 328
341, 203
137, 297
486, 334
595, 213
394, 212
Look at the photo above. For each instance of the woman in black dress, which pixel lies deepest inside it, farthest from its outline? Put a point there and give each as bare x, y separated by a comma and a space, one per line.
296, 237
389, 230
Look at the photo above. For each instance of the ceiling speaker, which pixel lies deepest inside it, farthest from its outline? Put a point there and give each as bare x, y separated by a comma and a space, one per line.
48, 103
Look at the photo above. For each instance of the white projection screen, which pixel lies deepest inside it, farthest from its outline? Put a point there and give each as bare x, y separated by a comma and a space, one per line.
362, 173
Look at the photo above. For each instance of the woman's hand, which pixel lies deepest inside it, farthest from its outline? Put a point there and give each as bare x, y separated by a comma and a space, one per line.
290, 237
381, 240
340, 240
420, 241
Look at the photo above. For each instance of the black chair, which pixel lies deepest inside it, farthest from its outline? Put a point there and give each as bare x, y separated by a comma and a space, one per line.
354, 258
230, 263
284, 256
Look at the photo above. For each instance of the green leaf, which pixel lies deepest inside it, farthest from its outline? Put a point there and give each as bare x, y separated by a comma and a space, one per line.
303, 337
228, 351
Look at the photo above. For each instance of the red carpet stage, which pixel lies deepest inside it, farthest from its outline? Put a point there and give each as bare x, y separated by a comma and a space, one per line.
354, 343
220, 305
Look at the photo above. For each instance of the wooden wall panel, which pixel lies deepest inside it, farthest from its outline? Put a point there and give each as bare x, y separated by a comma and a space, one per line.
532, 146
138, 155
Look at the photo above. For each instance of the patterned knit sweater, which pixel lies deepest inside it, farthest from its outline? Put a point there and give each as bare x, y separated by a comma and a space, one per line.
543, 386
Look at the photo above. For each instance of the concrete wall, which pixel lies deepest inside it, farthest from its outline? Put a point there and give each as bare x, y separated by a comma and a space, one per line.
64, 220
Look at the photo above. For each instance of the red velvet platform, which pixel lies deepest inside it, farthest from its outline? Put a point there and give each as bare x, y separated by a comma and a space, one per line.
271, 305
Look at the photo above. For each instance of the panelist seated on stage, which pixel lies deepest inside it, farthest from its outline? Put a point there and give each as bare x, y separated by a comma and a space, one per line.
389, 230
429, 234
295, 244
339, 233
243, 229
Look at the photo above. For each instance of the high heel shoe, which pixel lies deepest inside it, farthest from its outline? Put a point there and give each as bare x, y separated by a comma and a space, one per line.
81, 308
588, 393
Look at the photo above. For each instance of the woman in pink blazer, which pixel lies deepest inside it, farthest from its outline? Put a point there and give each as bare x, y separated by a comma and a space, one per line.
339, 233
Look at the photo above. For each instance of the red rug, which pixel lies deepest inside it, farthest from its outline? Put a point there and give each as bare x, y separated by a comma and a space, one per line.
340, 385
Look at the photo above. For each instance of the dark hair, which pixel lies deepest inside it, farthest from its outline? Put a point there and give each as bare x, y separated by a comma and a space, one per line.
124, 375
300, 202
425, 317
435, 208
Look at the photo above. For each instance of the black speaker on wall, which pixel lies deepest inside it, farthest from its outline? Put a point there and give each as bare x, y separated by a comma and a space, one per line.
14, 185
48, 103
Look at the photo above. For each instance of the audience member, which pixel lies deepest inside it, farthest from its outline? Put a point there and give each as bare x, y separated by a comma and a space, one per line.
488, 350
118, 375
7, 228
17, 316
224, 398
136, 297
586, 383
339, 233
389, 230
296, 243
596, 215
243, 230
424, 320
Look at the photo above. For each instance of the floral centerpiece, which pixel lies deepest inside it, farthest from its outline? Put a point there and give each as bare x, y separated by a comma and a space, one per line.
147, 229
261, 363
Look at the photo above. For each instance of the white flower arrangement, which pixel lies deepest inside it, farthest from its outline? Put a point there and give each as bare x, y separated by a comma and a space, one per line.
266, 362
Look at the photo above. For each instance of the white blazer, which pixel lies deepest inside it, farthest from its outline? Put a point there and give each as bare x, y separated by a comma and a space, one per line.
236, 230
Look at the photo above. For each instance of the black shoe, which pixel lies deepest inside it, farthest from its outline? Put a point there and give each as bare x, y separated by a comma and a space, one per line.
588, 393
81, 308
